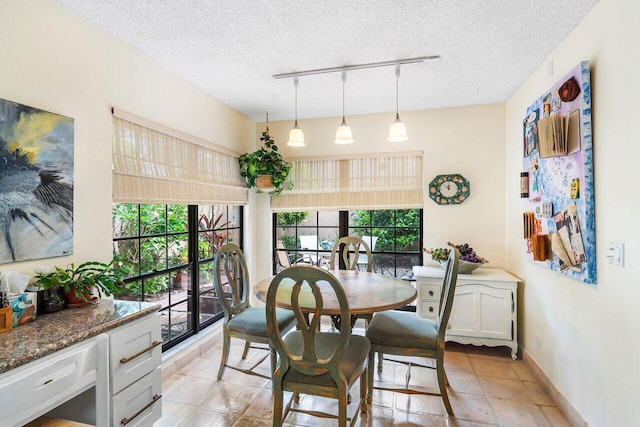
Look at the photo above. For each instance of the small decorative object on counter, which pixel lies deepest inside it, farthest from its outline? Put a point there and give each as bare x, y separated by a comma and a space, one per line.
24, 307
6, 313
469, 260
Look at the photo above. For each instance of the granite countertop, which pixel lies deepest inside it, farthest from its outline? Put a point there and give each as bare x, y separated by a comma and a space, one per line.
49, 333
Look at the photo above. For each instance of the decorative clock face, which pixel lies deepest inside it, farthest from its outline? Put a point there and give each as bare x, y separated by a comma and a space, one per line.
449, 189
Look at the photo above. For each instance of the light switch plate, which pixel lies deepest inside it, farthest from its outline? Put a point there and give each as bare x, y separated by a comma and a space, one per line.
615, 253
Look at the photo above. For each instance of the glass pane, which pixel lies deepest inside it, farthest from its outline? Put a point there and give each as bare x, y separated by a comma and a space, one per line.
127, 251
124, 220
206, 273
209, 306
177, 219
293, 218
176, 321
132, 291
408, 218
310, 221
328, 237
178, 250
329, 218
156, 289
152, 219
204, 215
359, 219
385, 239
287, 236
234, 216
153, 254
205, 244
234, 236
407, 239
180, 283
383, 218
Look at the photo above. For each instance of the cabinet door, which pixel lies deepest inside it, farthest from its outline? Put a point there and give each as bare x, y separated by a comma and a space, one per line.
462, 320
135, 350
494, 313
481, 311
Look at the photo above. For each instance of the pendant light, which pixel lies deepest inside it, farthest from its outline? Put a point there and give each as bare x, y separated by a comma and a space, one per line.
343, 134
296, 136
397, 131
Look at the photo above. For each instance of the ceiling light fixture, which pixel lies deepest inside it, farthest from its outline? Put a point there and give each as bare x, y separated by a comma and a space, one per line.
343, 133
397, 131
296, 136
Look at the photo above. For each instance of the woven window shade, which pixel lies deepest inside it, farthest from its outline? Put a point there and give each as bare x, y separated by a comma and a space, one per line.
152, 166
383, 181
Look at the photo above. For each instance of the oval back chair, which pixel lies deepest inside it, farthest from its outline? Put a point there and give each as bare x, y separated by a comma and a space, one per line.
241, 320
351, 253
324, 364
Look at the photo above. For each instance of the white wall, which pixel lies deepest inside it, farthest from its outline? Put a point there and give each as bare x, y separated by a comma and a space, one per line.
55, 61
465, 140
591, 344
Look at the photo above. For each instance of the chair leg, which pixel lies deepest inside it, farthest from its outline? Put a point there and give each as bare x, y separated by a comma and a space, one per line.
247, 344
364, 390
277, 406
342, 408
370, 370
226, 343
442, 379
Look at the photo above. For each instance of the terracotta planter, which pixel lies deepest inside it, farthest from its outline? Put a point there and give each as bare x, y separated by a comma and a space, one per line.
74, 302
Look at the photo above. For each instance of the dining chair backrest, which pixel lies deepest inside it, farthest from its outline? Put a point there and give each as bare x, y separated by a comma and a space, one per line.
351, 253
231, 280
298, 280
448, 291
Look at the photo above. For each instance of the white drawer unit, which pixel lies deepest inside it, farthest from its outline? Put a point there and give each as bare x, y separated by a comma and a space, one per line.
135, 358
484, 307
37, 387
139, 404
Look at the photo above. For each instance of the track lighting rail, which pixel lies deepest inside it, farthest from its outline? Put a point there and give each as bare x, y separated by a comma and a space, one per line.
356, 67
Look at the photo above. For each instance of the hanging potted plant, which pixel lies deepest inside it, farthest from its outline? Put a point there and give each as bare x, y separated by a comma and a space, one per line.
265, 169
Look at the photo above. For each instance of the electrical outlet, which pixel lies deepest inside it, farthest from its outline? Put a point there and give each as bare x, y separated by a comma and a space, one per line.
615, 253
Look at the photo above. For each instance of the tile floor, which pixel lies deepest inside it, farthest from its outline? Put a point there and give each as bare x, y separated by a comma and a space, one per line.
487, 388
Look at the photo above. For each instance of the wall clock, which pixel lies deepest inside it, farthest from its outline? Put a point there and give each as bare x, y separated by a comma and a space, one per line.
450, 189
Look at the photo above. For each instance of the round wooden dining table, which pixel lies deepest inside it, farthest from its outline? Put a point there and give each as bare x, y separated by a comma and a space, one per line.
367, 293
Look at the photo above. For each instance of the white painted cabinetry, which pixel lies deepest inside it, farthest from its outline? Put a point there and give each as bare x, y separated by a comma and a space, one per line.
485, 306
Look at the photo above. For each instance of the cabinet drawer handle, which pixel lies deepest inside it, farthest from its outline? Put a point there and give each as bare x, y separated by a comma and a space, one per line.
431, 309
129, 359
126, 420
430, 293
48, 381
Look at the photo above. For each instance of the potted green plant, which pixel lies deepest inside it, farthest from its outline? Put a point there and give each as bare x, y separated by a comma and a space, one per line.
79, 283
264, 165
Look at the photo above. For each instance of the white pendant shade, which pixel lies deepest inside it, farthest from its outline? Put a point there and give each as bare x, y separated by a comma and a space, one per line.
343, 134
296, 137
397, 131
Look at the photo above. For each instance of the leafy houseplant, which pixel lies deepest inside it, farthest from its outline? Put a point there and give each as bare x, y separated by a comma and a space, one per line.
80, 281
266, 161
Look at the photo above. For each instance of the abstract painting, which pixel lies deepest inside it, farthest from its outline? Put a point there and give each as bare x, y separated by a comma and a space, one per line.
36, 183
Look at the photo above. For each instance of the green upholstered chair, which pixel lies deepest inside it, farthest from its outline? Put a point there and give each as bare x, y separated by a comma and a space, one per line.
351, 253
404, 334
242, 321
311, 362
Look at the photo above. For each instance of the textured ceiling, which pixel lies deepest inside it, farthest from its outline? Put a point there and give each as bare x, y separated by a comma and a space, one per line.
231, 49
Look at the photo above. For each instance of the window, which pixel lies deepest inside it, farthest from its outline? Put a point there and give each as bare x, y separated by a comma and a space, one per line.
170, 250
309, 236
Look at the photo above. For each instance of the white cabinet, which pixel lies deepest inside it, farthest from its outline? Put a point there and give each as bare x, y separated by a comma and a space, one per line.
135, 377
484, 307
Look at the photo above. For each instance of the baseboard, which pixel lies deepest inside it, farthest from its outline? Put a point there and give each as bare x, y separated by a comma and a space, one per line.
558, 398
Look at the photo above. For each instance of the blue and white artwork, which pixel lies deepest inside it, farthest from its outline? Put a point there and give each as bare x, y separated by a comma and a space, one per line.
566, 181
36, 183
